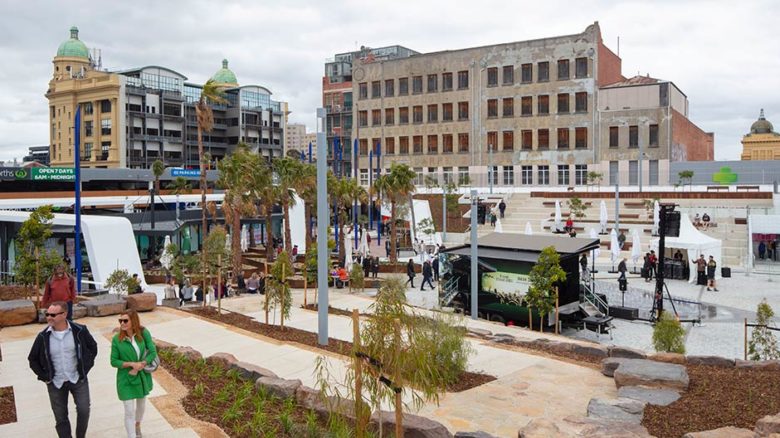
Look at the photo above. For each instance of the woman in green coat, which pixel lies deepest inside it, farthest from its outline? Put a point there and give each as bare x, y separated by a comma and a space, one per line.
131, 350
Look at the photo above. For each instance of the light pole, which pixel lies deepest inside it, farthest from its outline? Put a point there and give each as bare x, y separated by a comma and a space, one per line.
490, 168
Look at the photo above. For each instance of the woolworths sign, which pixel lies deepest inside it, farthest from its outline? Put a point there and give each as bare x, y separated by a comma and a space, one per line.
13, 173
53, 174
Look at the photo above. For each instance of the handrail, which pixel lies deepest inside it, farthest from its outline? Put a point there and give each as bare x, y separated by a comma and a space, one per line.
594, 299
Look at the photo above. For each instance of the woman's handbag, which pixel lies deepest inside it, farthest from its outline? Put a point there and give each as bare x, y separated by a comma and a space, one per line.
151, 367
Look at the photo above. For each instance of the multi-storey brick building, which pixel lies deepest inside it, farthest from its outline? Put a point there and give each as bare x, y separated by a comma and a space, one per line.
540, 112
131, 118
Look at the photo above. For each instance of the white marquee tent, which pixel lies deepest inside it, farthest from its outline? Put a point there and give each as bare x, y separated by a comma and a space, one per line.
695, 243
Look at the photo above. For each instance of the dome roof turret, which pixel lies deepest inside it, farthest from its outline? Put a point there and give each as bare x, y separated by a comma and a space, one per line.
73, 47
762, 125
225, 76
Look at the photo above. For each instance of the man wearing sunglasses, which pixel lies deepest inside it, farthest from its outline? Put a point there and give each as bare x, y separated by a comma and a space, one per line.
61, 356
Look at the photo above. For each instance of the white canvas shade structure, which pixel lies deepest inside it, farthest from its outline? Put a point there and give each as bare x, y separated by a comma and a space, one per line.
597, 250
603, 218
530, 231
558, 226
614, 246
636, 246
694, 243
656, 217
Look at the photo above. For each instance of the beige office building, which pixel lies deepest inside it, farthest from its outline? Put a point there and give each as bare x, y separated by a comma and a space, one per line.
539, 112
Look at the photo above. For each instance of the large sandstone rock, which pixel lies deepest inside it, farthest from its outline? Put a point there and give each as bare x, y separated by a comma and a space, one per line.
659, 397
641, 372
17, 312
173, 303
580, 427
610, 364
675, 358
250, 371
477, 434
715, 361
189, 352
281, 388
628, 353
159, 343
414, 425
478, 332
225, 359
79, 311
105, 305
590, 350
620, 409
768, 425
764, 365
723, 432
312, 399
143, 302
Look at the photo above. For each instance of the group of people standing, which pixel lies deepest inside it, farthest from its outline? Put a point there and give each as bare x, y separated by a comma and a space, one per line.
63, 354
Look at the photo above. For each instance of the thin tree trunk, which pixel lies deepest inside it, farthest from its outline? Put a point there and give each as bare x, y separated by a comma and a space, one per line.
307, 215
393, 252
269, 235
203, 224
282, 296
287, 234
236, 245
530, 319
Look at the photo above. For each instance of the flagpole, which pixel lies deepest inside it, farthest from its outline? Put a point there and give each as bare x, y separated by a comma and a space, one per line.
77, 190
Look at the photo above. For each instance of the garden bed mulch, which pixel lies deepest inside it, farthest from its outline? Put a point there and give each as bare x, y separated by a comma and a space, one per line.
717, 397
222, 397
7, 405
289, 334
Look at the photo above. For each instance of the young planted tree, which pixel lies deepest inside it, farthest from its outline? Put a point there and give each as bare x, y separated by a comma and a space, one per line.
577, 207
209, 94
217, 252
121, 282
763, 344
686, 177
595, 178
34, 262
278, 287
542, 293
396, 186
357, 278
344, 192
398, 351
179, 185
669, 335
306, 186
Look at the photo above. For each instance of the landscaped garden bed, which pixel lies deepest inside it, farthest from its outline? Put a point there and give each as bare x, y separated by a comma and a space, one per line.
717, 397
7, 405
221, 396
467, 380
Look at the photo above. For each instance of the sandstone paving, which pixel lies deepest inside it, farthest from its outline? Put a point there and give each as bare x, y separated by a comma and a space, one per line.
34, 416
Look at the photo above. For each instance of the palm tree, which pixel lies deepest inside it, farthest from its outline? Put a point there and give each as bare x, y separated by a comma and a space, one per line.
267, 193
158, 168
344, 192
397, 186
306, 186
288, 170
238, 201
179, 185
209, 94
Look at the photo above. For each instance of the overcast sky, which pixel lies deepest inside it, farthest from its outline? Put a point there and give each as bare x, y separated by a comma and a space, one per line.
722, 54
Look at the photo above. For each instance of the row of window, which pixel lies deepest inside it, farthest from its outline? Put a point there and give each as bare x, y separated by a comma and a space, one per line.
505, 175
430, 144
508, 78
633, 136
447, 110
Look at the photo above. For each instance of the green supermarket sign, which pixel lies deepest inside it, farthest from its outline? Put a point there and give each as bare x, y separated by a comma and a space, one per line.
53, 174
725, 176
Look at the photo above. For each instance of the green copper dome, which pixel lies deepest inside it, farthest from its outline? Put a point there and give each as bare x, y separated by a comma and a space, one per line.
73, 47
225, 75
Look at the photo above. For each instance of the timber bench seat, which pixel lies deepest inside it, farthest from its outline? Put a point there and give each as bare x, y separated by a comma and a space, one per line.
717, 188
747, 188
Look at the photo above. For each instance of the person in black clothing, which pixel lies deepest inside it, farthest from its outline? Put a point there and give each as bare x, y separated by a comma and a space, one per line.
435, 267
622, 270
584, 264
427, 273
410, 272
73, 349
711, 265
502, 208
646, 268
375, 266
366, 266
387, 248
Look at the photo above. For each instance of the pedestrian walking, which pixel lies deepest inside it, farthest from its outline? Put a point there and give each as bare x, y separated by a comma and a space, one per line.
375, 266
584, 264
502, 208
701, 266
410, 273
492, 219
711, 266
653, 273
387, 248
622, 269
621, 240
761, 250
646, 267
435, 266
61, 356
427, 273
366, 266
133, 354
60, 287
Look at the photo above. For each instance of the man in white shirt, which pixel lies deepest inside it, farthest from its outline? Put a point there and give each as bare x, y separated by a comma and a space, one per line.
61, 356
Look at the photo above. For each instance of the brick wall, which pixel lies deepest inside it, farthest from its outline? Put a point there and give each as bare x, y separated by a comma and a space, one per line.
610, 66
689, 142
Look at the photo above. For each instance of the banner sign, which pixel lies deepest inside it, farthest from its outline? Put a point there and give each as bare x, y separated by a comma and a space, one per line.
14, 173
53, 174
192, 173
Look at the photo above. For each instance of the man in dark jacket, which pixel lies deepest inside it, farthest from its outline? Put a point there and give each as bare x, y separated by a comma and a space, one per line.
61, 356
435, 267
427, 273
410, 272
